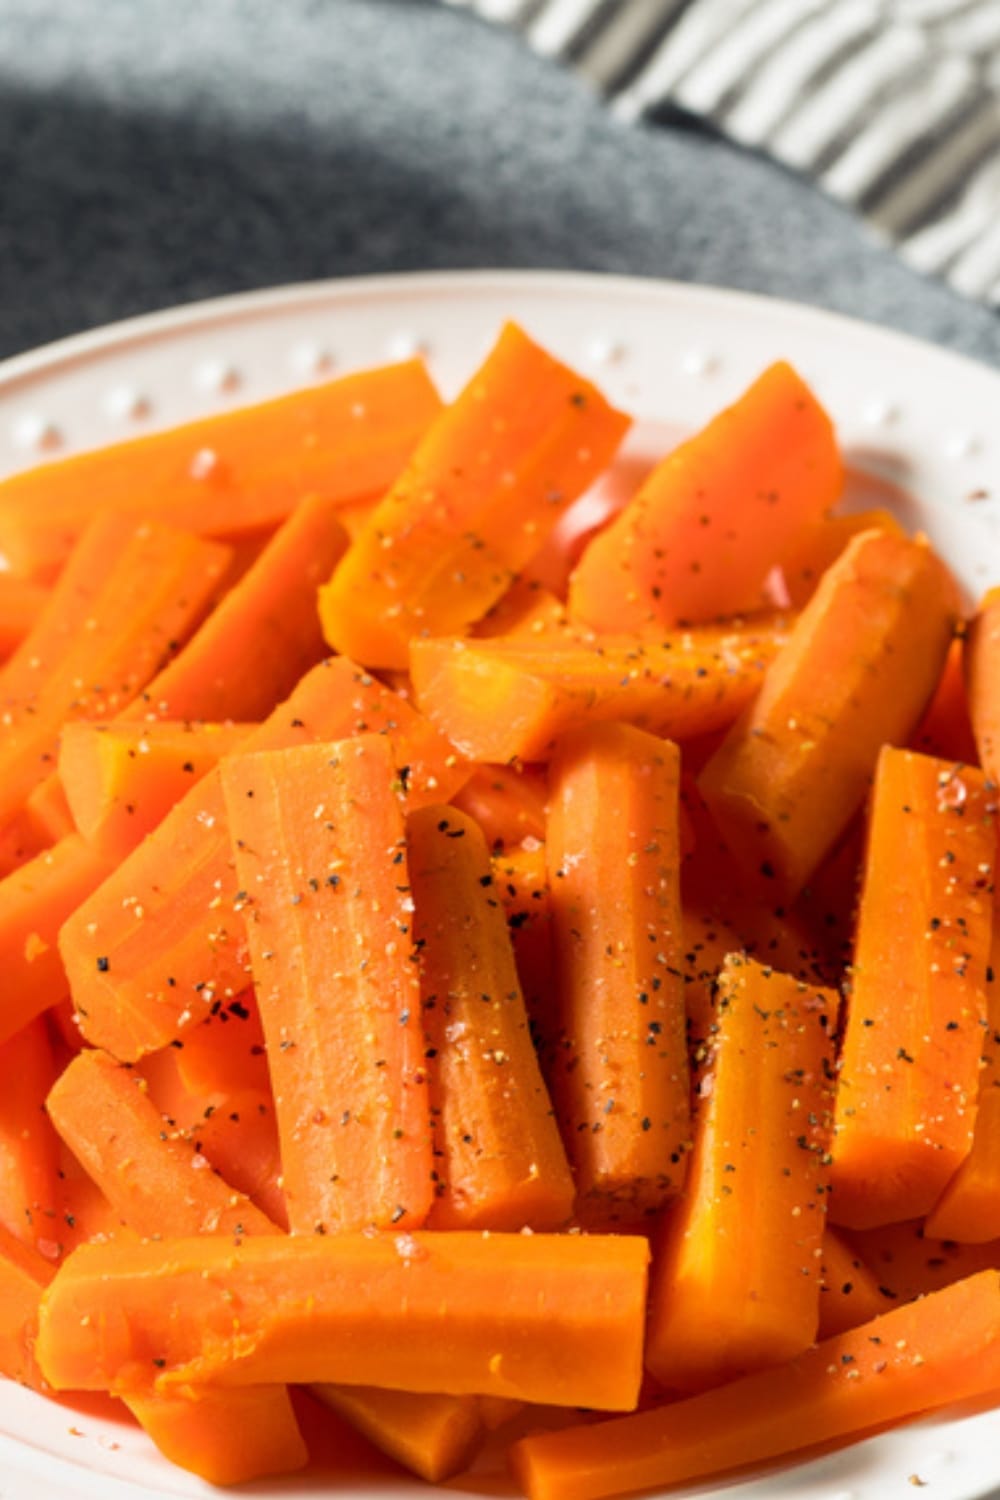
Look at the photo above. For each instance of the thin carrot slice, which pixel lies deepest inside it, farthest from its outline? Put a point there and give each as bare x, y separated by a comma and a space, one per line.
555, 1319
130, 594
698, 540
909, 1072
321, 859
982, 678
122, 778
849, 1292
164, 937
513, 696
158, 1183
507, 802
230, 475
811, 551
946, 729
943, 1349
21, 603
29, 1150
477, 500
433, 1436
225, 1437
499, 1160
24, 1275
736, 1276
856, 673
620, 1072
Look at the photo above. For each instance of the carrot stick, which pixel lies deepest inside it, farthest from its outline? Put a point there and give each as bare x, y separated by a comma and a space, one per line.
736, 1276
433, 1436
521, 881
122, 778
909, 1072
226, 1054
499, 1160
230, 475
508, 803
556, 1319
913, 1359
811, 551
21, 602
620, 1073
225, 1437
164, 937
982, 675
321, 859
856, 673
157, 1182
908, 1263
946, 729
527, 608
239, 1137
129, 595
849, 1293
708, 941
483, 490
514, 695
29, 1151
699, 538
24, 1275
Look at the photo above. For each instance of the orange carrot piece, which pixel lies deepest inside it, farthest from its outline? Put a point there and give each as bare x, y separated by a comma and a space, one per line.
157, 1182
946, 729
698, 540
521, 881
433, 1436
943, 1349
21, 602
620, 1072
320, 855
909, 1071
477, 500
226, 1054
225, 1437
239, 1137
24, 1275
908, 1263
145, 972
818, 547
507, 802
856, 673
982, 678
130, 593
122, 778
708, 941
237, 473
736, 1276
555, 1319
499, 1159
525, 609
513, 696
849, 1293
29, 1151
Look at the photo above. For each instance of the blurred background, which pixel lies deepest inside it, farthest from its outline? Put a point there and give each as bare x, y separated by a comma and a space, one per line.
159, 151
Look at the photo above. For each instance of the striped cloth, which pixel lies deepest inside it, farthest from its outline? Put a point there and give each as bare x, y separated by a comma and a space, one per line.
891, 106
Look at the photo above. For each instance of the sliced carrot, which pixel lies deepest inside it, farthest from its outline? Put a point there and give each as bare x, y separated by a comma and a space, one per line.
816, 548
85, 1215
225, 1437
507, 802
527, 608
698, 540
982, 676
946, 729
237, 473
708, 941
433, 1436
620, 1073
736, 1275
521, 881
29, 1151
321, 859
849, 1292
164, 937
555, 1319
122, 778
514, 695
943, 1349
856, 673
157, 1182
239, 1137
21, 603
226, 1054
477, 500
909, 1072
908, 1263
24, 1275
130, 594
499, 1160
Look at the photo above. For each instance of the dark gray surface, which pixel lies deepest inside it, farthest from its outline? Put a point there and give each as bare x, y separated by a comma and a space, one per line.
158, 151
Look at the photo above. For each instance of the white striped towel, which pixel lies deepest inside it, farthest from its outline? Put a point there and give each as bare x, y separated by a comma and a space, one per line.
891, 106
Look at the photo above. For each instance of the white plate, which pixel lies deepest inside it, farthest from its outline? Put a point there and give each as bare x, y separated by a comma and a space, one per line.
922, 418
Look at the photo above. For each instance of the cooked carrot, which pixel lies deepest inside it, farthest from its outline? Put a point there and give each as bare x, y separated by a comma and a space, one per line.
122, 778
856, 673
849, 1292
816, 548
225, 1437
909, 1072
946, 729
527, 608
29, 1151
480, 495
321, 860
164, 937
498, 1158
21, 602
521, 881
239, 1137
24, 1275
514, 695
907, 1263
130, 594
827, 905
708, 941
85, 1215
230, 475
736, 1275
433, 1436
555, 1319
620, 1073
157, 1182
698, 540
507, 802
982, 676
941, 1350
226, 1054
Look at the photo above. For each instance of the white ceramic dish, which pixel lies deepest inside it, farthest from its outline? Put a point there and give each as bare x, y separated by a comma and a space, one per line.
918, 417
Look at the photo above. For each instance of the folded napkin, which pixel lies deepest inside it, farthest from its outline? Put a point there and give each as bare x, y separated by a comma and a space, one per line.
890, 106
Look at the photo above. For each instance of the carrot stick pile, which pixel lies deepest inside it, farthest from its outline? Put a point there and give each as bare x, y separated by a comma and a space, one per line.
467, 997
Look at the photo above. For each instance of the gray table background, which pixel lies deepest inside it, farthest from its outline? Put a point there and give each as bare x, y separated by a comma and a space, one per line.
158, 151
